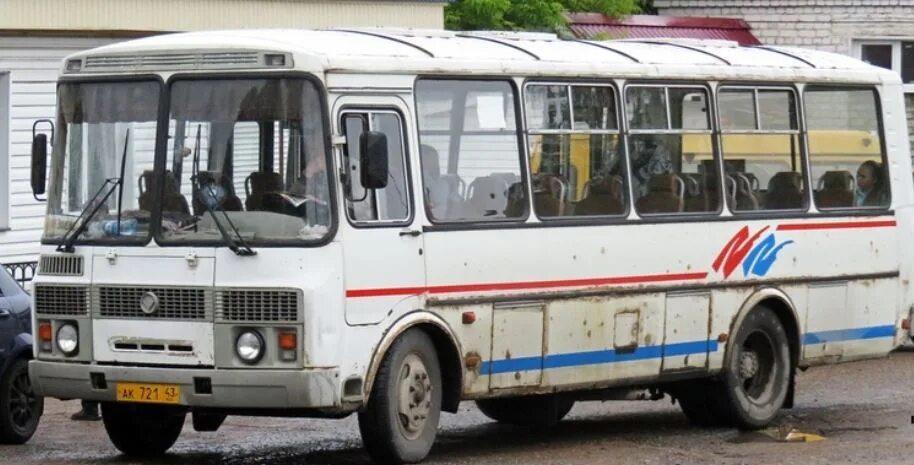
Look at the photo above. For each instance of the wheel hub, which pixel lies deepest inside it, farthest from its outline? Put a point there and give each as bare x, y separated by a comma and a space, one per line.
415, 396
748, 365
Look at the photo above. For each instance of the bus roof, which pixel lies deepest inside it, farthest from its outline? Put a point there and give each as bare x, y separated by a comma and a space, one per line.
484, 52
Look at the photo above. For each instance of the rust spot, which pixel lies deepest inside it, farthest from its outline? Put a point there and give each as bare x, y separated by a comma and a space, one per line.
472, 360
517, 375
508, 354
723, 337
585, 322
588, 333
648, 339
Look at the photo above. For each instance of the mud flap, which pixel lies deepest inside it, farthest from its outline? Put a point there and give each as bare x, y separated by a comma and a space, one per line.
205, 421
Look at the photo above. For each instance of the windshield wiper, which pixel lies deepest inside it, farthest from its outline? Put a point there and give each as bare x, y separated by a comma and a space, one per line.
82, 221
79, 226
237, 244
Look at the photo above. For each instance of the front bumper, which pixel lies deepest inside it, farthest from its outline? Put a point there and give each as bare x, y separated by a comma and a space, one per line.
243, 389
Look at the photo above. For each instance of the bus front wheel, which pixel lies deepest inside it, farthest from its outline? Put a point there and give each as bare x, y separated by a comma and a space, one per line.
142, 430
756, 378
400, 422
537, 411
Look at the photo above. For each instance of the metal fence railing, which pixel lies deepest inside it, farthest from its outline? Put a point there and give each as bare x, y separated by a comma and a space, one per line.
22, 272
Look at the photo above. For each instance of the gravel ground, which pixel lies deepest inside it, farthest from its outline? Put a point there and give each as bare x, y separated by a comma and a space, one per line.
864, 410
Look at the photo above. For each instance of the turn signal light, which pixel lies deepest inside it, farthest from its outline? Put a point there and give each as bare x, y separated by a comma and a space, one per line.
287, 340
45, 333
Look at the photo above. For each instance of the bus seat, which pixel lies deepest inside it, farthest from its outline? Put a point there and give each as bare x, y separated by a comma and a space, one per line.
172, 200
785, 190
745, 194
262, 189
231, 201
837, 189
664, 195
488, 196
517, 201
604, 197
549, 192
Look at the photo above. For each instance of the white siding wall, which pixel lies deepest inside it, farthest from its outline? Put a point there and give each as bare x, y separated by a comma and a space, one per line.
32, 64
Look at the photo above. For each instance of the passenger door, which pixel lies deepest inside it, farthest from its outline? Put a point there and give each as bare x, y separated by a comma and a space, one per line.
382, 247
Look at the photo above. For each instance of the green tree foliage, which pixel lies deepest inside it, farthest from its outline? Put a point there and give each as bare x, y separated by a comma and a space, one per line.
535, 15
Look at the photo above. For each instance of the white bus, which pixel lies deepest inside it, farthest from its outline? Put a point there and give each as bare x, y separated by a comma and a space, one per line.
386, 222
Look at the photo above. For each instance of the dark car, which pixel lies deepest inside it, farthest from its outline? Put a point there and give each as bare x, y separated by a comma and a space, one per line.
20, 408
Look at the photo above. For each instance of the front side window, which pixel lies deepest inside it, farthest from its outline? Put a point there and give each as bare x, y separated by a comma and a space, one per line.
245, 154
670, 150
387, 204
471, 166
845, 148
105, 143
575, 159
761, 149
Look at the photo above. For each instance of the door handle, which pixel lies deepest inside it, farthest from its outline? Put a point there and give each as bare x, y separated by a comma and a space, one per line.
4, 313
410, 232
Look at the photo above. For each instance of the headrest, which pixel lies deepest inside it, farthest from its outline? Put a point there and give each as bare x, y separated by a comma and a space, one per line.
266, 181
610, 185
838, 180
786, 180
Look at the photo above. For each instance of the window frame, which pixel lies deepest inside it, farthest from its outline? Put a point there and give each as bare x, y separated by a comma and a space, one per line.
476, 223
713, 130
527, 132
800, 132
368, 110
896, 44
884, 156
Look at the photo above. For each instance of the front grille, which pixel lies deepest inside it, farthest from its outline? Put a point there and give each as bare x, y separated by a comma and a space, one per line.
174, 303
60, 265
257, 305
61, 300
203, 60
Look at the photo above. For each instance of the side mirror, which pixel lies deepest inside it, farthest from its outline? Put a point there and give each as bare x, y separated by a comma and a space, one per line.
39, 164
373, 159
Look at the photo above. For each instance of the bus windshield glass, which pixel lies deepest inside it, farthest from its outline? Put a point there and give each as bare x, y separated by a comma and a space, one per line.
106, 134
247, 156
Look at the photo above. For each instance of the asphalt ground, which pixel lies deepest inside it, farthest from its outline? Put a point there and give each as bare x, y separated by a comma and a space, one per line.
864, 411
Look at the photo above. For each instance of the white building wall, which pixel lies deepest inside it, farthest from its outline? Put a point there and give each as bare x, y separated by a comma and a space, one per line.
31, 65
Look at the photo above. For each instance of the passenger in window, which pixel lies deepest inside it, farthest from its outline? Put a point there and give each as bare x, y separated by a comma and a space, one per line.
649, 158
870, 189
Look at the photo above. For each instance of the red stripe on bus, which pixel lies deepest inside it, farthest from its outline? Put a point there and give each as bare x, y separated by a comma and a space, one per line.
528, 285
837, 225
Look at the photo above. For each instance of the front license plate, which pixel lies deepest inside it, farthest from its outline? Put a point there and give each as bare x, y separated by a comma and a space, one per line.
149, 393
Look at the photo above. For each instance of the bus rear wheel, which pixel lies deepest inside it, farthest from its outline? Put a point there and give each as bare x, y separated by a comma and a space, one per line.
400, 423
142, 430
756, 378
536, 411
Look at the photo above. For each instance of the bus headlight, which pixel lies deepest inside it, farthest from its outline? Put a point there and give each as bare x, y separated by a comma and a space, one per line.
249, 347
67, 339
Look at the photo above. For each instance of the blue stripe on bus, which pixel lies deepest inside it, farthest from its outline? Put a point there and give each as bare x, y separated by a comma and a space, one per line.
598, 357
872, 332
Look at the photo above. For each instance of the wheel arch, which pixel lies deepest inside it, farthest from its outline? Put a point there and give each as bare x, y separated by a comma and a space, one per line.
780, 303
446, 346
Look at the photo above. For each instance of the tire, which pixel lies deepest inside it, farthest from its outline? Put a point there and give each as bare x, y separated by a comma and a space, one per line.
400, 422
757, 374
703, 402
20, 408
142, 430
534, 411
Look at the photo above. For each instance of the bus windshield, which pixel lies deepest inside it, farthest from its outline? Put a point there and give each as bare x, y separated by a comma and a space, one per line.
247, 153
245, 156
102, 126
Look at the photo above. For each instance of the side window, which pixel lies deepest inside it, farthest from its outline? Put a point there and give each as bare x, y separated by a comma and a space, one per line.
670, 151
391, 203
575, 156
471, 166
761, 149
845, 148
